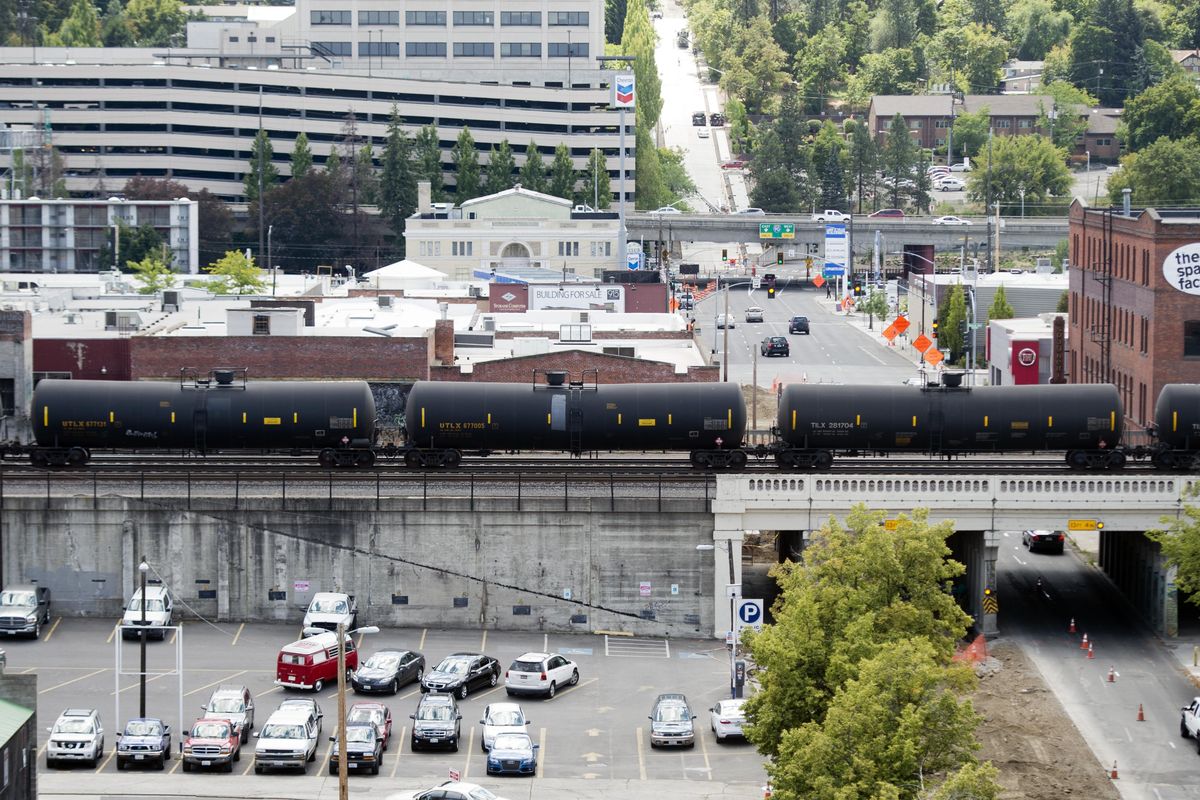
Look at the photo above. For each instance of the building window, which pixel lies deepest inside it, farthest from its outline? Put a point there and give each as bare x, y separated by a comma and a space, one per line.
421, 49
329, 17
564, 49
1002, 123
424, 17
473, 49
573, 18
1025, 123
334, 48
520, 49
270, 40
379, 49
473, 17
233, 39
262, 325
462, 248
8, 396
914, 125
521, 18
379, 18
1191, 339
251, 38
568, 248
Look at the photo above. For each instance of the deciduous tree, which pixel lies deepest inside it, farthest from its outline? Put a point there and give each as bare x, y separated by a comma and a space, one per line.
1170, 108
152, 274
1030, 163
820, 67
971, 130
1035, 26
1070, 110
1180, 543
236, 274
1166, 172
82, 27
156, 23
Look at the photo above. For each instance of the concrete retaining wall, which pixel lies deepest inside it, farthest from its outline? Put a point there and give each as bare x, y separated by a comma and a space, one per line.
494, 568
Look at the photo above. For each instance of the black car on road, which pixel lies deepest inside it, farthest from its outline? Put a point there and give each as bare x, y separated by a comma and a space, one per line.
775, 346
798, 325
387, 671
1045, 541
459, 673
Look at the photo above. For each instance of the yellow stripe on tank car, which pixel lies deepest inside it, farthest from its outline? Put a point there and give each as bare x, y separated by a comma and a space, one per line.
422, 416
793, 419
729, 419
669, 422
618, 418
46, 416
172, 417
1112, 420
295, 417
354, 421
1174, 421
489, 422
1050, 421
647, 423
243, 417
985, 420
547, 418
112, 416
914, 424
858, 420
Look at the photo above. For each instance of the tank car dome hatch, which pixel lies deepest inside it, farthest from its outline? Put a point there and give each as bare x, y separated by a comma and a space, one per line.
952, 380
223, 377
556, 378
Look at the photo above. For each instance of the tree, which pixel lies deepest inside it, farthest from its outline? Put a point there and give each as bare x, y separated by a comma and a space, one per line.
333, 165
262, 174
862, 159
876, 305
465, 159
364, 175
1180, 543
774, 188
897, 159
152, 274
156, 23
312, 225
971, 130
892, 71
397, 186
614, 20
1166, 172
820, 67
137, 244
638, 40
894, 24
302, 159
115, 30
428, 157
651, 190
1000, 309
500, 168
952, 315
827, 154
1108, 52
970, 57
533, 171
1020, 163
562, 173
1070, 111
236, 273
82, 27
215, 218
597, 188
1170, 108
754, 67
1035, 26
675, 176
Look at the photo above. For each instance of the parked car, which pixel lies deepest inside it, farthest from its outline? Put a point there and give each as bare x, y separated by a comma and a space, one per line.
157, 614
145, 740
798, 325
311, 662
501, 718
950, 184
830, 215
235, 704
961, 167
671, 722
512, 754
686, 303
77, 735
211, 743
364, 749
1189, 721
448, 790
951, 220
725, 321
436, 723
288, 740
888, 212
387, 671
754, 314
540, 673
24, 609
377, 714
327, 609
733, 163
462, 672
306, 703
727, 718
1046, 541
775, 346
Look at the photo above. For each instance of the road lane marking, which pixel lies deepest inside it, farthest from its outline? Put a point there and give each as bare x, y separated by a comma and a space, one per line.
872, 355
399, 750
111, 753
53, 628
540, 772
214, 683
470, 751
704, 752
73, 680
545, 643
421, 646
27, 670
237, 635
641, 755
1171, 743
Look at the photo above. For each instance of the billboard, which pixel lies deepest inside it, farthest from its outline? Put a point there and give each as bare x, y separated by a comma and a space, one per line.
553, 296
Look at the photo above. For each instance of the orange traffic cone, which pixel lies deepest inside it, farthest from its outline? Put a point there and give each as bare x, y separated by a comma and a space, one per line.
1072, 628
1141, 714
1112, 675
1091, 653
1113, 774
1084, 644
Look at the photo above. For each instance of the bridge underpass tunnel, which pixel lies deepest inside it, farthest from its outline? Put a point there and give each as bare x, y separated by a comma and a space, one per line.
1136, 566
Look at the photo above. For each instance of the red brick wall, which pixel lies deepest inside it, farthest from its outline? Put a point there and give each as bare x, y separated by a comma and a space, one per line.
443, 341
612, 369
599, 335
85, 358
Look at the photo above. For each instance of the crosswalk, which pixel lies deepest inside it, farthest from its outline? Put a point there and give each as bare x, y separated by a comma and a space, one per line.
632, 647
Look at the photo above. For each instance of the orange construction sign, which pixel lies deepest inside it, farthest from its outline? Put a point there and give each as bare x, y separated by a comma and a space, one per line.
889, 332
818, 281
922, 343
933, 356
900, 324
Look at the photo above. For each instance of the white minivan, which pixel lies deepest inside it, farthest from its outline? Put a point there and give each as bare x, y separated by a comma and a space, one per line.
157, 614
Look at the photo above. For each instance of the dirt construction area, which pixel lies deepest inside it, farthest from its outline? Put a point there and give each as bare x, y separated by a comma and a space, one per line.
1026, 733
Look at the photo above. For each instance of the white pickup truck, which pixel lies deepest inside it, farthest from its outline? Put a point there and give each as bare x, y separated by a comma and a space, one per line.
830, 215
1189, 721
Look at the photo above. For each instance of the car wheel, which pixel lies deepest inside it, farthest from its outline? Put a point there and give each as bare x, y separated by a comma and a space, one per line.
1183, 731
510, 692
495, 679
237, 754
454, 747
420, 675
258, 770
120, 765
228, 766
414, 746
37, 629
395, 685
574, 677
333, 769
319, 685
162, 763
462, 691
187, 767
312, 756
550, 692
245, 735
483, 744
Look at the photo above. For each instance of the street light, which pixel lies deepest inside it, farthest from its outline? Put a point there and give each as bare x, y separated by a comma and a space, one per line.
343, 774
143, 568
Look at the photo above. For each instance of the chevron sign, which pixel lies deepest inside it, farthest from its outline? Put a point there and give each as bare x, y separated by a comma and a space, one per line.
623, 92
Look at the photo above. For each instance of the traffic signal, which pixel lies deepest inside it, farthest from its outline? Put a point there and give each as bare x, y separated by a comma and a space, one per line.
964, 329
771, 292
724, 254
857, 289
935, 327
779, 258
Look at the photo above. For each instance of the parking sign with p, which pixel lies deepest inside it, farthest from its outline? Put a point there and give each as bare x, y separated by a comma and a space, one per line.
750, 614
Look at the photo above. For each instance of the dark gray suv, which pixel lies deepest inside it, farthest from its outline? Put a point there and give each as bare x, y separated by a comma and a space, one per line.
798, 325
437, 723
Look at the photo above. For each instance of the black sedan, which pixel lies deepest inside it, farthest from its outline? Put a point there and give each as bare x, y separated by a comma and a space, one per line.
775, 346
387, 671
461, 672
364, 749
1046, 541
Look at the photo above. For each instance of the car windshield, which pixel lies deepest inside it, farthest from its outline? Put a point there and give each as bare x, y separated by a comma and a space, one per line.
439, 713
151, 604
672, 713
511, 741
307, 705
455, 666
361, 714
227, 705
328, 606
74, 726
385, 661
481, 793
506, 717
360, 733
210, 730
143, 728
18, 599
281, 731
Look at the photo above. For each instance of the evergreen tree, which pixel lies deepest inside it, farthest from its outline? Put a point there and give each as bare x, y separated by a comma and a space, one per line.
774, 186
398, 188
533, 171
597, 189
896, 159
863, 159
831, 176
82, 27
114, 29
500, 168
614, 20
368, 184
1000, 309
302, 159
465, 158
952, 316
1108, 54
262, 173
562, 173
428, 157
333, 165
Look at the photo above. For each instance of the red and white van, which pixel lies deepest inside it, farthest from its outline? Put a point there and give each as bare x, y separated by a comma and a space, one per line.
311, 662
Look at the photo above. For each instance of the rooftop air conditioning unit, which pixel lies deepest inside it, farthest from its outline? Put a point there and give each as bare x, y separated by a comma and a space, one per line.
385, 300
171, 300
110, 320
489, 323
583, 317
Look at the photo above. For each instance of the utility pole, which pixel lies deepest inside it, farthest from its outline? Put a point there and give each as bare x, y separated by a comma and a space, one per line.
261, 147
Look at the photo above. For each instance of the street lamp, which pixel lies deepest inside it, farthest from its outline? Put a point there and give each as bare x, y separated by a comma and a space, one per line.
343, 774
143, 568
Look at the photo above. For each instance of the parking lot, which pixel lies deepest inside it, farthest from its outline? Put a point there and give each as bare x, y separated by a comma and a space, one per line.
597, 730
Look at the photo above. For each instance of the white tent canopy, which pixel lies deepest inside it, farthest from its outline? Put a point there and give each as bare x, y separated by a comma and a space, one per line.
404, 275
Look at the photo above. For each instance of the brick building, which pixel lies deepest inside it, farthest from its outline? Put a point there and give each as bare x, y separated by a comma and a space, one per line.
1134, 311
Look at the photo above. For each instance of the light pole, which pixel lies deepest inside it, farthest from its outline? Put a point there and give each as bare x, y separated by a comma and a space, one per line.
343, 773
143, 568
1021, 191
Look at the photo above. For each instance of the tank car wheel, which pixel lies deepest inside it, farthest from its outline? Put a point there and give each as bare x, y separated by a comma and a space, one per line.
698, 460
1164, 460
1077, 459
822, 459
39, 459
737, 459
77, 457
785, 459
327, 457
364, 459
414, 459
1116, 460
451, 458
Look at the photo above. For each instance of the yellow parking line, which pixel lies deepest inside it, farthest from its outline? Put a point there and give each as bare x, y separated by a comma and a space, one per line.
540, 772
73, 680
139, 683
249, 766
178, 761
175, 633
53, 628
641, 756
269, 691
111, 753
358, 644
214, 683
42, 749
483, 644
113, 632
470, 752
704, 752
399, 749
238, 634
421, 646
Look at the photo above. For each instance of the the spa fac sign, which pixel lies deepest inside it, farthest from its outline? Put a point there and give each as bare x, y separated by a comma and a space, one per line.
1182, 268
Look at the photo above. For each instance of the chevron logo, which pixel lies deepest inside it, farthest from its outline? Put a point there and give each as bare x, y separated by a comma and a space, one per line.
624, 92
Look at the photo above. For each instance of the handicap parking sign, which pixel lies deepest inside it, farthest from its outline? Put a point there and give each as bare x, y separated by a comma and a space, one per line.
750, 614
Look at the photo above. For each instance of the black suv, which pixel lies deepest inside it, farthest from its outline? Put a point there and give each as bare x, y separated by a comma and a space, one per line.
437, 723
775, 346
798, 325
698, 118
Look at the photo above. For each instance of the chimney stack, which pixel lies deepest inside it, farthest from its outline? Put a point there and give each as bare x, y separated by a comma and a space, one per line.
424, 198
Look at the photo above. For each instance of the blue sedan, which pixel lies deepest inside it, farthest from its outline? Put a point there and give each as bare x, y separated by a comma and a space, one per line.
512, 754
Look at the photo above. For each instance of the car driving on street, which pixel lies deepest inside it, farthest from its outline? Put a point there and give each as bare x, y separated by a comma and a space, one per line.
775, 346
950, 219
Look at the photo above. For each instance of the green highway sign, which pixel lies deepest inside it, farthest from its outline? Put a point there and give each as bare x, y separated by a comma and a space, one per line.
776, 230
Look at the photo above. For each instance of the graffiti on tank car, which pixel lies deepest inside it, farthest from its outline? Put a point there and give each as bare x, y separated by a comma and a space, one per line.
142, 434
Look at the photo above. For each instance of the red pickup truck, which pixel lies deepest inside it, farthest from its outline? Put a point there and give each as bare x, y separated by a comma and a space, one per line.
211, 743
